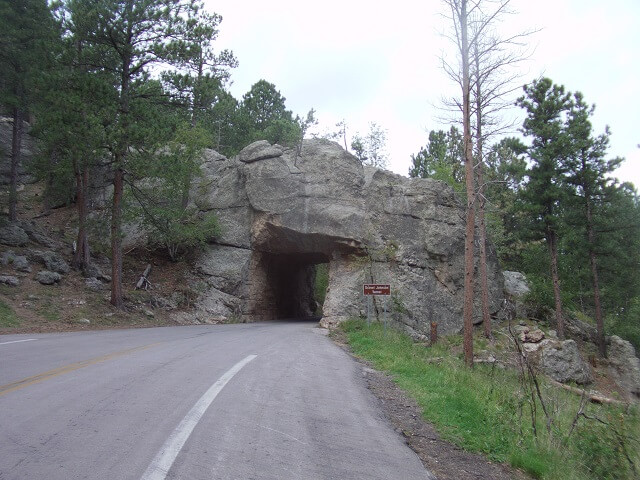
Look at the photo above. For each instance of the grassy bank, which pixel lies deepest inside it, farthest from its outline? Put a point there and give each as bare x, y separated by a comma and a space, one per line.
497, 411
8, 318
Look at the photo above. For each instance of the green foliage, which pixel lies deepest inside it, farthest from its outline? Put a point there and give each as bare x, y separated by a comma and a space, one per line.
162, 193
441, 159
487, 411
8, 317
546, 105
263, 115
371, 149
626, 324
320, 285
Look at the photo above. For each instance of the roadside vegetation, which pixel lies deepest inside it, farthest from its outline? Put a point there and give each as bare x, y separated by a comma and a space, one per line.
8, 318
492, 410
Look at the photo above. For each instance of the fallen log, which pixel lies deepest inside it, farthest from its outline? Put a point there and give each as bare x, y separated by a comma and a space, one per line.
592, 397
143, 282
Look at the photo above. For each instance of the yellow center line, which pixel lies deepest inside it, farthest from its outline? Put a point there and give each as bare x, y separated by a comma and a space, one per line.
41, 377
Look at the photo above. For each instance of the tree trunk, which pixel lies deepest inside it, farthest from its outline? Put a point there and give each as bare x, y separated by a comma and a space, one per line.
553, 251
484, 284
470, 180
602, 347
16, 145
82, 257
116, 241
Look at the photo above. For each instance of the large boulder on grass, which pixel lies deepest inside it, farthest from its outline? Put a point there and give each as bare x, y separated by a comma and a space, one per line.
561, 360
624, 365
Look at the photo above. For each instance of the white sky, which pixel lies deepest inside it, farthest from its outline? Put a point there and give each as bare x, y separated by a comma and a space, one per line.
379, 61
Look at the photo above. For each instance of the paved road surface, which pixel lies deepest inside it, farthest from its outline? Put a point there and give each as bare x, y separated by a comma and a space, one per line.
256, 401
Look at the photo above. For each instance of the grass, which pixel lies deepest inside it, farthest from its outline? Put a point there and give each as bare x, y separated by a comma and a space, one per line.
488, 410
8, 318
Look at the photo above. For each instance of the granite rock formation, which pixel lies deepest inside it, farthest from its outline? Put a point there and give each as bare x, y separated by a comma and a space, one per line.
282, 213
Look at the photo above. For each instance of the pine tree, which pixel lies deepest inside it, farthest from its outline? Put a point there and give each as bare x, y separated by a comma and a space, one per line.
27, 35
589, 175
547, 105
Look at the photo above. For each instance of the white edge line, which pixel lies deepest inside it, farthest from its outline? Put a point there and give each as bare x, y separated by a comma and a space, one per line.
19, 341
162, 462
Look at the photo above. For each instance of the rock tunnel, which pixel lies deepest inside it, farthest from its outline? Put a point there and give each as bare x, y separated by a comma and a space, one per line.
282, 272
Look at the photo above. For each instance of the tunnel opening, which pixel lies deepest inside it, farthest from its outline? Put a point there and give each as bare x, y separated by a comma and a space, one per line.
289, 286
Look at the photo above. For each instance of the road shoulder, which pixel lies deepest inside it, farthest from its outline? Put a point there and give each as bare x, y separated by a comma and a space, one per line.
445, 460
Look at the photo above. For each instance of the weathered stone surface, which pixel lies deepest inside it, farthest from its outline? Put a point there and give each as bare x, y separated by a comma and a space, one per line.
46, 277
225, 267
260, 150
515, 284
13, 235
515, 289
533, 336
94, 284
19, 262
561, 360
624, 365
576, 328
53, 261
281, 214
9, 280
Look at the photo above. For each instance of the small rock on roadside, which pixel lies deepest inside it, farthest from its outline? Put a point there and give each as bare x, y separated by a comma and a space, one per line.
45, 277
149, 313
84, 320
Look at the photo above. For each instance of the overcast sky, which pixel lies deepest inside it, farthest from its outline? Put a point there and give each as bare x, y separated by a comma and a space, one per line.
380, 61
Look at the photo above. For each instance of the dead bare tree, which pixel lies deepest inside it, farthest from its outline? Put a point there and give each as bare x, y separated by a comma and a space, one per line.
494, 74
459, 18
486, 76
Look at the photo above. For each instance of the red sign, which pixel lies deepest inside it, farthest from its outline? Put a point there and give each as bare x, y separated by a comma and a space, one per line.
376, 289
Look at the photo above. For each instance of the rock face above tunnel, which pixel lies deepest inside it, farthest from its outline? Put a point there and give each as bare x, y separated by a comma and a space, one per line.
281, 213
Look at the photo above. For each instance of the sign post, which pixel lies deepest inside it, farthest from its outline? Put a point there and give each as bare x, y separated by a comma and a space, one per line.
370, 290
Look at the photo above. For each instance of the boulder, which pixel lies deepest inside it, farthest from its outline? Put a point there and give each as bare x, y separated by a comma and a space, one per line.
94, 284
624, 365
19, 262
13, 235
532, 336
560, 360
515, 284
260, 150
282, 212
52, 261
46, 277
9, 280
515, 289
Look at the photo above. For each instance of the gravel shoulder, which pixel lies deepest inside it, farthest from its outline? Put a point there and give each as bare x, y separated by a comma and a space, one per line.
445, 460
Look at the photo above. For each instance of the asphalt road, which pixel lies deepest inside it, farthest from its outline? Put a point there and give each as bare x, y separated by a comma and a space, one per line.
273, 400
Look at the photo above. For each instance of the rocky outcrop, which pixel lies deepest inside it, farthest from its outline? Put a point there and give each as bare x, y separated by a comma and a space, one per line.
624, 366
13, 235
560, 360
516, 289
282, 213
